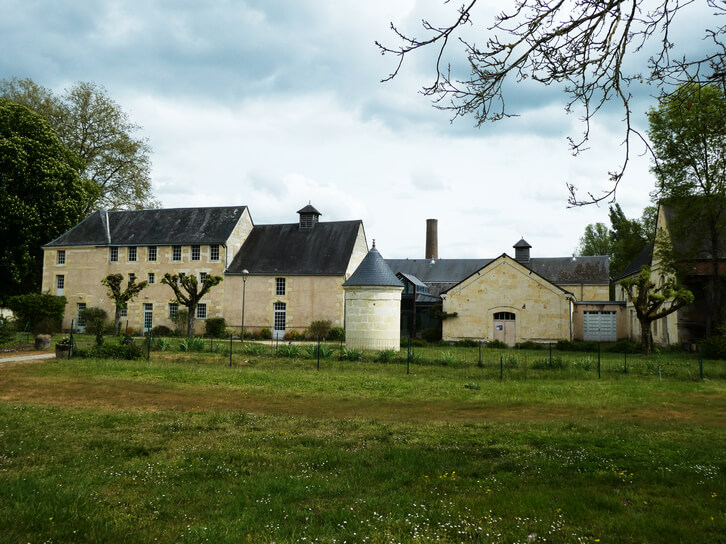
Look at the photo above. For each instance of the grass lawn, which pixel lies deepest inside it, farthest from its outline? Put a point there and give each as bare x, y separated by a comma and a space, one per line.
184, 448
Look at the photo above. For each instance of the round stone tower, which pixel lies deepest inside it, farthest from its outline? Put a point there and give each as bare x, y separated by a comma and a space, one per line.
373, 305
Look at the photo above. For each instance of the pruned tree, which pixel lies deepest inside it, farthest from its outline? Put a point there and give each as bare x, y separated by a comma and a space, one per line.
95, 127
188, 292
652, 302
121, 297
594, 51
688, 133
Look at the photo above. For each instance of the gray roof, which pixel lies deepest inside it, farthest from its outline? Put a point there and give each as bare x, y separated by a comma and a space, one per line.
373, 271
287, 249
309, 209
555, 269
173, 226
522, 244
641, 259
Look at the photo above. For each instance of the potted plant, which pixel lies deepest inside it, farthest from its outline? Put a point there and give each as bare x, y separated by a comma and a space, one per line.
63, 348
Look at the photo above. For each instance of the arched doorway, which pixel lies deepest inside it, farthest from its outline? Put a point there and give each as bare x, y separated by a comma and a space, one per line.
505, 327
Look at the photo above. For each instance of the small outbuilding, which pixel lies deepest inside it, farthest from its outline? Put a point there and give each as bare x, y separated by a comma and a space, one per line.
373, 305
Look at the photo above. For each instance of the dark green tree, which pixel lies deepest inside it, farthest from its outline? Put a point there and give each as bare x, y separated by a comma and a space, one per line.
596, 240
41, 195
628, 238
652, 302
688, 135
93, 125
121, 296
188, 292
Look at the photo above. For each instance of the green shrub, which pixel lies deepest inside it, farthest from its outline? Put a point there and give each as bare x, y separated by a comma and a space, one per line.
112, 351
292, 335
161, 330
496, 344
555, 363
325, 351
431, 335
163, 344
288, 350
586, 364
7, 330
180, 321
566, 345
336, 334
95, 319
215, 326
263, 334
623, 346
191, 344
41, 313
255, 349
510, 361
318, 329
447, 358
467, 343
351, 354
530, 345
385, 356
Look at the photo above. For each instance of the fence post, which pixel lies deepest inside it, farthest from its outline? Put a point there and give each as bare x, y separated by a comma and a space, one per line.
598, 360
70, 348
501, 367
408, 357
230, 351
318, 350
479, 363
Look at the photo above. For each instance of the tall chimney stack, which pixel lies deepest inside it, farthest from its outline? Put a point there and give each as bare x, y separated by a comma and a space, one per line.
432, 239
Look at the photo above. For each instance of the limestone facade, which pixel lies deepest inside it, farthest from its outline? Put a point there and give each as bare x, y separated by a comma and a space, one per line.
372, 317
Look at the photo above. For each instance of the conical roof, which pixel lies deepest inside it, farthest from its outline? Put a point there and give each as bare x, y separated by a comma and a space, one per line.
373, 271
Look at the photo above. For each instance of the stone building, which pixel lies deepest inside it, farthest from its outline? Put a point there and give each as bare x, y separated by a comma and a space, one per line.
295, 270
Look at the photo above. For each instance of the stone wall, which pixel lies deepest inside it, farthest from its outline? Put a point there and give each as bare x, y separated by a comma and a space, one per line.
373, 317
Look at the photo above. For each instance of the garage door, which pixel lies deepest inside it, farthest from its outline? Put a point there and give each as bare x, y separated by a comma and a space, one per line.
600, 327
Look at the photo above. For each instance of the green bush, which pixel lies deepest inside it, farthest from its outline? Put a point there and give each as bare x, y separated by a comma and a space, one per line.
447, 358
496, 344
7, 331
255, 349
180, 321
566, 345
325, 351
95, 320
466, 343
192, 344
385, 356
288, 350
432, 335
336, 334
263, 334
41, 313
161, 330
351, 354
318, 329
623, 346
530, 345
112, 351
555, 363
163, 344
215, 326
292, 335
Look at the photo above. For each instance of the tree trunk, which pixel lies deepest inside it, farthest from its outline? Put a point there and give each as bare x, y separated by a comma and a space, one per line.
646, 337
117, 321
190, 320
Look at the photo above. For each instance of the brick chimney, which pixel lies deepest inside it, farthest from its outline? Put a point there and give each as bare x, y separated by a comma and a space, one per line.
432, 239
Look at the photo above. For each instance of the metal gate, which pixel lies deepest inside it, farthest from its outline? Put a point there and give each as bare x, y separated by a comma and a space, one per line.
600, 327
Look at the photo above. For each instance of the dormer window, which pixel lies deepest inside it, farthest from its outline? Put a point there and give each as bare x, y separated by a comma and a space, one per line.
308, 217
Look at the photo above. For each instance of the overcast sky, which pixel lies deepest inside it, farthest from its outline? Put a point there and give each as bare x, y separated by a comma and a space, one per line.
274, 104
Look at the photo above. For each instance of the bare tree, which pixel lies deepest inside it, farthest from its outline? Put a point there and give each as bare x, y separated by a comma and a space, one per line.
188, 292
121, 297
585, 46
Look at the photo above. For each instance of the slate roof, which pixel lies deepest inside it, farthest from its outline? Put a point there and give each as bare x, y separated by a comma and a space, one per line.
641, 259
442, 274
373, 271
286, 249
172, 226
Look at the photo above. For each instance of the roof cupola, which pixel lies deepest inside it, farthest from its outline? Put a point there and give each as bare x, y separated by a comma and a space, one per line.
309, 216
521, 251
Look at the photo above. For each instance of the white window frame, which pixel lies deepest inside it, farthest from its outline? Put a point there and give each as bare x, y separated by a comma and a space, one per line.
151, 278
113, 254
151, 253
173, 310
202, 310
196, 253
61, 256
176, 253
214, 252
60, 284
133, 254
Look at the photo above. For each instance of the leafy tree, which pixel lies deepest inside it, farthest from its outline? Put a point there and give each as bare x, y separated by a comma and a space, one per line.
628, 238
93, 125
40, 313
41, 195
593, 51
652, 302
121, 297
596, 240
188, 292
688, 134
